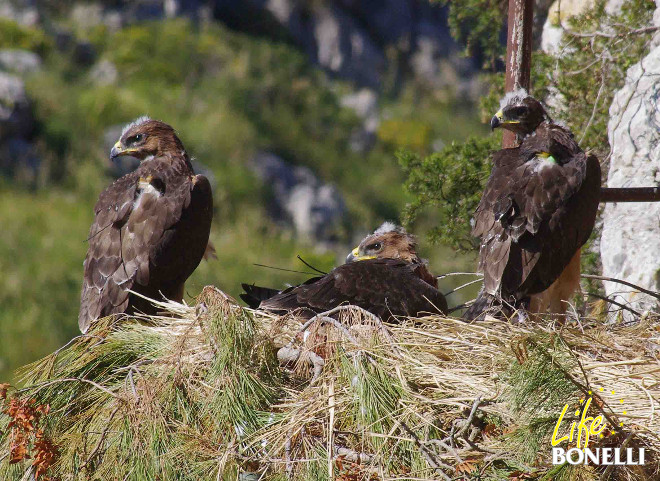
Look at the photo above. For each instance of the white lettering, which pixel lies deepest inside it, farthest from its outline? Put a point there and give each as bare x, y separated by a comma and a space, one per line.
592, 456
569, 456
617, 457
558, 456
598, 456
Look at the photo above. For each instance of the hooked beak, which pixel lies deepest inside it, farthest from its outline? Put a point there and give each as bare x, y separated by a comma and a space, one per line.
352, 256
116, 151
496, 121
355, 256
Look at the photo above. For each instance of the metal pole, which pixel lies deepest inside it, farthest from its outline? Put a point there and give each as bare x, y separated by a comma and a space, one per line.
518, 53
630, 194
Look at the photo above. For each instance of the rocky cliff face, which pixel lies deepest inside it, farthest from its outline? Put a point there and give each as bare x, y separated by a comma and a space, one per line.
630, 243
361, 41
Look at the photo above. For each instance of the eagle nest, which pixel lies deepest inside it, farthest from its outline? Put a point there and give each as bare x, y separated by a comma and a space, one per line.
217, 391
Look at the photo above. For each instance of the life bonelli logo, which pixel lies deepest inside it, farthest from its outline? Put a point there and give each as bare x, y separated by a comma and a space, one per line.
571, 442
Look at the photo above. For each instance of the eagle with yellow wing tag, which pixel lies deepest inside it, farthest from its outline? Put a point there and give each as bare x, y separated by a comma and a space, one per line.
151, 227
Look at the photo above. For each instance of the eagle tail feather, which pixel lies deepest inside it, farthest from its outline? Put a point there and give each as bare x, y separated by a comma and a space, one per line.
254, 295
488, 304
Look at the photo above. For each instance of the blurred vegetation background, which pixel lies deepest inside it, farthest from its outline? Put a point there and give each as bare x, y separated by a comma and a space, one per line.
315, 121
234, 95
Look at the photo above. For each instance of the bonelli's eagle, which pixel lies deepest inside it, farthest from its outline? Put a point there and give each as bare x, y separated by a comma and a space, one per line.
383, 275
151, 226
537, 210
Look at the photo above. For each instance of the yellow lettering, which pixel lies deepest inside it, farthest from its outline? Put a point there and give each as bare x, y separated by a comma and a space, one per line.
583, 426
594, 426
556, 441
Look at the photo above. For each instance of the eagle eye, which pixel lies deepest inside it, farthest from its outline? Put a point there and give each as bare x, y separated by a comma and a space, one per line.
518, 111
375, 246
134, 139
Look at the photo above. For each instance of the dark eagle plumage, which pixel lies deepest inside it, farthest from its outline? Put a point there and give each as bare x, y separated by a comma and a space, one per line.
388, 288
383, 275
151, 227
538, 208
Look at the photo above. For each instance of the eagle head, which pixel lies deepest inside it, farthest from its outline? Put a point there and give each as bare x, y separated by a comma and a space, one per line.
146, 137
389, 241
519, 112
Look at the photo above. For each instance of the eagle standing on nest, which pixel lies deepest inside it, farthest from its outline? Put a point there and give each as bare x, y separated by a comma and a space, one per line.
538, 209
383, 275
151, 226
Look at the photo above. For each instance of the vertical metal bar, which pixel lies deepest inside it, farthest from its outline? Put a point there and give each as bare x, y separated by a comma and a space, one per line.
518, 52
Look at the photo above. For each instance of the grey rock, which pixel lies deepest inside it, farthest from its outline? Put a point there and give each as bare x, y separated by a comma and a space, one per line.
92, 14
630, 246
362, 140
87, 15
104, 72
344, 48
19, 61
364, 103
313, 208
560, 12
327, 33
24, 12
15, 115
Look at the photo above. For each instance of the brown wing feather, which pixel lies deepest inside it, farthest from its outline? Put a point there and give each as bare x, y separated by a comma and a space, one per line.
385, 287
146, 239
101, 293
533, 218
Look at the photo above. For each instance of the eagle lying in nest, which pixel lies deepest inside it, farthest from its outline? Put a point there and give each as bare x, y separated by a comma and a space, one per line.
383, 275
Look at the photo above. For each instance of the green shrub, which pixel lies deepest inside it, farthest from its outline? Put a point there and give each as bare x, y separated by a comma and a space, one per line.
13, 35
451, 182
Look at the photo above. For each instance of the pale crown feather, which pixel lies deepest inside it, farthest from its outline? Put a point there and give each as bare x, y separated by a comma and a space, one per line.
389, 227
135, 123
513, 97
